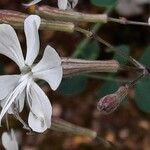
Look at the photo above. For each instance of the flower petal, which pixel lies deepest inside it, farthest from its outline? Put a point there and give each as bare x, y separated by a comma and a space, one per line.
11, 98
62, 4
40, 115
20, 101
74, 3
49, 68
31, 3
31, 26
7, 84
9, 44
9, 141
18, 105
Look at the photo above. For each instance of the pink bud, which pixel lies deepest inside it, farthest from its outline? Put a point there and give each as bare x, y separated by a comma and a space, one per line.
110, 102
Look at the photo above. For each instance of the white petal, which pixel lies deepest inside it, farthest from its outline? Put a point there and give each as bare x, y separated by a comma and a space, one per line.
9, 44
49, 68
40, 115
18, 104
7, 84
62, 4
9, 141
11, 98
149, 21
74, 3
31, 26
20, 101
32, 3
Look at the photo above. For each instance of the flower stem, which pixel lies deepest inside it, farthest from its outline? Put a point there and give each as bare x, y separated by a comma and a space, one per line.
69, 16
72, 16
76, 66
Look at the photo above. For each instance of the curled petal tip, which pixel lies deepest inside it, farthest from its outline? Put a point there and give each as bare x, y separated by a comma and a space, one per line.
34, 2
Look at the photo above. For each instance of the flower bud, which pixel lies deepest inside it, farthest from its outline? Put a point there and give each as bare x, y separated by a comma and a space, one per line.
110, 102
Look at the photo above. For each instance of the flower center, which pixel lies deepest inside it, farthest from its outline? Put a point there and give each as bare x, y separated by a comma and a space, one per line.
26, 73
26, 69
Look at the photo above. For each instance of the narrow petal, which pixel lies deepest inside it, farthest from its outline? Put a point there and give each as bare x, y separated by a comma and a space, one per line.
74, 3
40, 115
32, 3
20, 101
9, 44
7, 84
31, 26
62, 4
9, 141
49, 68
18, 105
11, 98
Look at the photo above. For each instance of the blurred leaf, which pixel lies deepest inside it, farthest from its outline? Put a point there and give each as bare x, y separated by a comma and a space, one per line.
122, 50
89, 51
107, 88
142, 91
145, 59
105, 3
73, 86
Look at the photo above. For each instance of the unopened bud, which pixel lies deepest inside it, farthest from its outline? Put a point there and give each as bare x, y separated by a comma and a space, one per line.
110, 102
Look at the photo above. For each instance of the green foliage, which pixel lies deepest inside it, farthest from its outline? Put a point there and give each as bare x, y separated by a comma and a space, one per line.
89, 51
73, 86
124, 50
145, 59
76, 85
105, 3
142, 98
107, 88
142, 89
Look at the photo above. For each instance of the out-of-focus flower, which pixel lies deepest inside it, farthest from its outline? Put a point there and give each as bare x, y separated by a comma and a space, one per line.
149, 21
62, 4
9, 140
130, 7
13, 88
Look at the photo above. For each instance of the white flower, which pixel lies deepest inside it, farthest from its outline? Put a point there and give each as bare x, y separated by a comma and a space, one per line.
13, 88
130, 7
67, 4
9, 141
62, 4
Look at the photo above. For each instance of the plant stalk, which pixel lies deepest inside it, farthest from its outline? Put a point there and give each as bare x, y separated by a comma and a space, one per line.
73, 16
77, 66
56, 14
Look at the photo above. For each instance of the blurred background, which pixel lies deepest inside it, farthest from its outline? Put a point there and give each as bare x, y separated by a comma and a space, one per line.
76, 99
